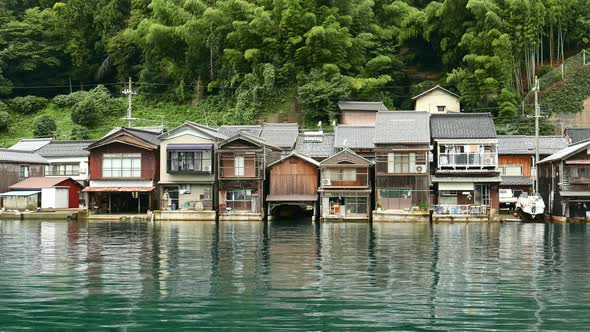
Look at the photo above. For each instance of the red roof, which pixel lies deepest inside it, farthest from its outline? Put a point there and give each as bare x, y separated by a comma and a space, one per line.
118, 189
39, 182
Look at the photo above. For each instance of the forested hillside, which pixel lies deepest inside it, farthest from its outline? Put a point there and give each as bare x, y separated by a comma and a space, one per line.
238, 59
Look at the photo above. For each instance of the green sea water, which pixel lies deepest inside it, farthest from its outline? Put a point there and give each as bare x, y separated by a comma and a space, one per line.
185, 276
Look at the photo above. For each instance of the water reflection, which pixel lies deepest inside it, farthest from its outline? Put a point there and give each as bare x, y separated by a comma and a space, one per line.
129, 276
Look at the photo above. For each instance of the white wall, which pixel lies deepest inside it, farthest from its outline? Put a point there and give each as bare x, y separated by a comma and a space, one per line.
82, 161
184, 137
55, 198
431, 100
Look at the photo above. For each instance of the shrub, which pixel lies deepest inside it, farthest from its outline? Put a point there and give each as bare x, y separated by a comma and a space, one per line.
80, 132
28, 104
4, 120
44, 126
64, 101
87, 112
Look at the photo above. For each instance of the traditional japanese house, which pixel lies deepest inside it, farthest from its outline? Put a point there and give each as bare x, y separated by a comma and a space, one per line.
359, 113
315, 144
402, 171
17, 165
283, 135
466, 176
515, 162
358, 139
124, 170
67, 158
187, 172
576, 135
31, 144
293, 184
564, 181
437, 100
241, 162
345, 187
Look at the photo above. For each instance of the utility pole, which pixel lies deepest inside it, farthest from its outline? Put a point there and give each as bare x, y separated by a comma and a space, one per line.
537, 115
129, 92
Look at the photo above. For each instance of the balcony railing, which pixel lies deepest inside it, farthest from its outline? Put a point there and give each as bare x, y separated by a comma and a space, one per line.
467, 160
460, 210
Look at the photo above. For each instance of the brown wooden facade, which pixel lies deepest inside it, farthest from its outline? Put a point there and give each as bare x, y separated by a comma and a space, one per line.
11, 173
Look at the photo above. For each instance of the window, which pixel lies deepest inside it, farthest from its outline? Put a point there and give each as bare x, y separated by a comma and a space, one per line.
62, 170
441, 108
579, 171
24, 171
240, 199
239, 168
121, 165
189, 161
401, 162
511, 170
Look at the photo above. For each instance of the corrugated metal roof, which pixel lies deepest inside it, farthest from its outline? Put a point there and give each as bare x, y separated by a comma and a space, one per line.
17, 156
21, 193
31, 144
513, 144
402, 127
462, 125
320, 146
565, 153
65, 149
38, 182
369, 106
283, 135
354, 137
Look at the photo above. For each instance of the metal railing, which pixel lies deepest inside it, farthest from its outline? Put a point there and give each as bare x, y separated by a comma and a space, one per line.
475, 160
456, 209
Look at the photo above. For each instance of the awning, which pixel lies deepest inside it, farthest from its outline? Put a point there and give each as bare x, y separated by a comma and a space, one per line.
291, 198
21, 193
464, 179
575, 194
456, 186
189, 147
118, 189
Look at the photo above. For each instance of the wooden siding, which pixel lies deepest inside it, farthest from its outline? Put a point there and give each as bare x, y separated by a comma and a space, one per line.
227, 165
11, 173
358, 118
150, 160
293, 176
524, 160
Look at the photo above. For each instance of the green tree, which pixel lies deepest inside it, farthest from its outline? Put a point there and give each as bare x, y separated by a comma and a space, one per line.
44, 126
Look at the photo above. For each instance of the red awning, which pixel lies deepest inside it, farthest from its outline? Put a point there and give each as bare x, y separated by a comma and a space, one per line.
118, 189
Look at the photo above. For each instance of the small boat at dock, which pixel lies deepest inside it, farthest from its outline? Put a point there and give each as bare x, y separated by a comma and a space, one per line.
530, 208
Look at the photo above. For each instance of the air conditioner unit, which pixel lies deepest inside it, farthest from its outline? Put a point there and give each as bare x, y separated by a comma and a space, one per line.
420, 168
488, 161
206, 168
326, 182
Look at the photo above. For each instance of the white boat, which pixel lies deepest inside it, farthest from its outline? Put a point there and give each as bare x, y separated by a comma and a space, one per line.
531, 207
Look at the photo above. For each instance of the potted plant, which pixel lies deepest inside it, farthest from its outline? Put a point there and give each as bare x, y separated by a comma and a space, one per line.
423, 206
379, 206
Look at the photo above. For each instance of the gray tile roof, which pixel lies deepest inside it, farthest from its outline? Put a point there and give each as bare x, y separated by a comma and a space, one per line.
11, 155
462, 125
516, 181
65, 149
283, 135
320, 147
230, 131
354, 137
513, 144
370, 106
402, 127
577, 134
155, 129
31, 144
146, 135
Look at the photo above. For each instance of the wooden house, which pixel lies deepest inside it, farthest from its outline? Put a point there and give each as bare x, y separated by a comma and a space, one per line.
359, 113
516, 162
241, 162
564, 181
124, 170
465, 164
345, 187
17, 165
293, 183
187, 172
356, 138
402, 171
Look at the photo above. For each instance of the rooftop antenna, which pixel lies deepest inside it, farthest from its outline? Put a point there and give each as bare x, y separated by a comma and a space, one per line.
129, 92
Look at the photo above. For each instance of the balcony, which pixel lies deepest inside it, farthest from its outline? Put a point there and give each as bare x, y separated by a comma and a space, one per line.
460, 210
347, 177
468, 161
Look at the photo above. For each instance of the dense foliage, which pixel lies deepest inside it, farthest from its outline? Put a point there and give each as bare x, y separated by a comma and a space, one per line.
238, 57
44, 126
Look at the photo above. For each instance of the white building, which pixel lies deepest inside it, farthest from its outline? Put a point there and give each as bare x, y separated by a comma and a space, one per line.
437, 100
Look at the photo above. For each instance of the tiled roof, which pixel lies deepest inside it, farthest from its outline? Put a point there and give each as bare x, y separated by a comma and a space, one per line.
298, 155
370, 106
512, 144
155, 129
11, 155
577, 134
146, 135
31, 144
320, 147
65, 149
283, 135
402, 127
231, 131
516, 181
346, 156
354, 137
462, 125
38, 182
